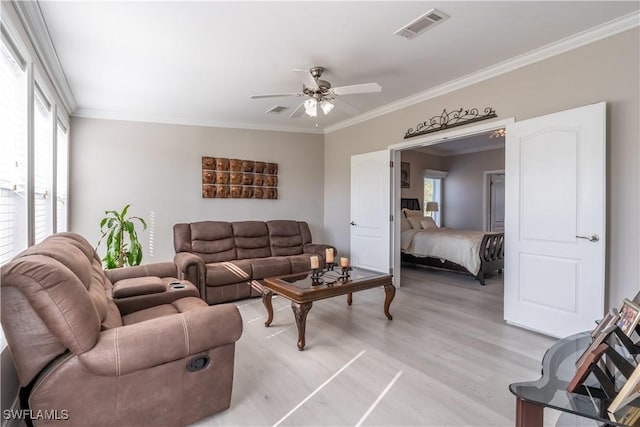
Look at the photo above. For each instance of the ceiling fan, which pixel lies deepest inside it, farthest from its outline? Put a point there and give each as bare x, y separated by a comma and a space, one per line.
320, 93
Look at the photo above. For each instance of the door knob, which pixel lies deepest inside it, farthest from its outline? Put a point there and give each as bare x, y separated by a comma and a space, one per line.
592, 238
352, 223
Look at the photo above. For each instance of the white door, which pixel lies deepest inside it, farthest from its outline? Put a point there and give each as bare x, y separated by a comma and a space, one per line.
496, 213
370, 211
555, 221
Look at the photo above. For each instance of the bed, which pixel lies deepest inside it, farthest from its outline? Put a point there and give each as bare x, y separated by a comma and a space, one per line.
472, 252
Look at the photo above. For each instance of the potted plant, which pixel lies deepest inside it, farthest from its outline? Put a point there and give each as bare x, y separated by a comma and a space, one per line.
123, 247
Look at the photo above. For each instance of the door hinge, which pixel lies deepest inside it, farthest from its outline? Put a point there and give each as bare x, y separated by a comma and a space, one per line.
391, 217
390, 163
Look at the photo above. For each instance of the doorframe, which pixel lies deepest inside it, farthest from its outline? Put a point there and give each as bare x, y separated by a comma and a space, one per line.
424, 141
486, 205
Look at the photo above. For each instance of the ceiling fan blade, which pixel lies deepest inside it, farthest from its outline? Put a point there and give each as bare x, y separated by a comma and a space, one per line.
306, 78
275, 95
347, 108
298, 111
353, 89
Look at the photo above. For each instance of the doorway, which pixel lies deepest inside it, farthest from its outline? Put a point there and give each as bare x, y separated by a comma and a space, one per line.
493, 200
451, 138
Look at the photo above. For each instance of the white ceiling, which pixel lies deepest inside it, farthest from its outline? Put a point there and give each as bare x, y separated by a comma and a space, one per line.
198, 62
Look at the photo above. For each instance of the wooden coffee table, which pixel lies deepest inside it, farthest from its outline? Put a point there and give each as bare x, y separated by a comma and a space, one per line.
298, 288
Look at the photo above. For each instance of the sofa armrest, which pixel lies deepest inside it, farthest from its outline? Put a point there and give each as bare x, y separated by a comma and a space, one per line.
318, 249
159, 269
143, 345
191, 267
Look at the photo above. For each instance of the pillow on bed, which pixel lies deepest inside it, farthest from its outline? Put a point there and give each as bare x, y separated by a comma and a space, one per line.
428, 223
404, 224
415, 222
408, 213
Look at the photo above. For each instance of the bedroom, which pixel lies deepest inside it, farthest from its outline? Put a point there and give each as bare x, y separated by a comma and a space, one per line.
451, 182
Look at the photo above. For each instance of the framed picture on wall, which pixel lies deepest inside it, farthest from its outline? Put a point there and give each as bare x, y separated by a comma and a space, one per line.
405, 174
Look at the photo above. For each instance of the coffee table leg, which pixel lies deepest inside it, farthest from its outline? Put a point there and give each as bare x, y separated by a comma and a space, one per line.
300, 312
390, 292
349, 298
266, 295
266, 300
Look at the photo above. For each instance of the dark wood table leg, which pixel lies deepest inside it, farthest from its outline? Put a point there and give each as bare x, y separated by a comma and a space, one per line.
390, 292
528, 414
300, 312
266, 300
350, 298
266, 295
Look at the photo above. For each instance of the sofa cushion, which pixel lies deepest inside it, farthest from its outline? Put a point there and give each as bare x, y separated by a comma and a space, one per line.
138, 286
225, 273
285, 237
251, 239
269, 267
179, 306
302, 263
213, 241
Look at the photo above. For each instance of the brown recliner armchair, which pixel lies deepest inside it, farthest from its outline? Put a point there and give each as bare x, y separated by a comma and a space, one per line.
81, 362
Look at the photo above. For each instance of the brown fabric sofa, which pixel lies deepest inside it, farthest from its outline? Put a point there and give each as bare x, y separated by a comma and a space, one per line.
167, 360
222, 258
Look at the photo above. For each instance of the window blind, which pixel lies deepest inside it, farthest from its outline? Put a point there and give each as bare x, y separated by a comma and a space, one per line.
62, 174
13, 146
42, 166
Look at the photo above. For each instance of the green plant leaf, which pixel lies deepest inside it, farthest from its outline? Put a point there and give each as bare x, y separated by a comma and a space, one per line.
144, 224
122, 244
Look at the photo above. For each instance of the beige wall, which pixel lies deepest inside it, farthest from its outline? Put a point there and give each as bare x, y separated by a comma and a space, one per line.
463, 188
607, 70
419, 162
157, 168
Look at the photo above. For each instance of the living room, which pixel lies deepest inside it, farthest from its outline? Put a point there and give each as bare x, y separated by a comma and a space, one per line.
151, 159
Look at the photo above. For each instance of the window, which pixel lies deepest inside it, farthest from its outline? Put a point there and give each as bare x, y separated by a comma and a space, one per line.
433, 193
42, 166
13, 146
62, 172
32, 160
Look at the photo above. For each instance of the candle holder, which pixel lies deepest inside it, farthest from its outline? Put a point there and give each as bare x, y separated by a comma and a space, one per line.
316, 276
344, 273
331, 265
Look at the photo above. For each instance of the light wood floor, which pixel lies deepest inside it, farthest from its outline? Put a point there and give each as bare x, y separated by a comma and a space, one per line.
446, 359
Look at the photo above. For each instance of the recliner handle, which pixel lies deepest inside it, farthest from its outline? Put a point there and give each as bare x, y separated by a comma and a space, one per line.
198, 363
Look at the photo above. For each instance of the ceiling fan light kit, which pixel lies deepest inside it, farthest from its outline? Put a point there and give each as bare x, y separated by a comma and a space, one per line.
320, 92
311, 107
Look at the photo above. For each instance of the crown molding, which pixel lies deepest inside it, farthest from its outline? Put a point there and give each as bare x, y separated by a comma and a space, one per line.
33, 23
89, 113
611, 28
432, 152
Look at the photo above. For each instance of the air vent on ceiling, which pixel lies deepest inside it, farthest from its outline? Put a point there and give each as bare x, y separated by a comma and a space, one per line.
418, 26
276, 109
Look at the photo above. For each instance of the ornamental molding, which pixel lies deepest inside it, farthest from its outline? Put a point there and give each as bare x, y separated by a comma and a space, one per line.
448, 120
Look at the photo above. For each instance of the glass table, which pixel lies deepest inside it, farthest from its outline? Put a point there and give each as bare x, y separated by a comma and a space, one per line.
550, 391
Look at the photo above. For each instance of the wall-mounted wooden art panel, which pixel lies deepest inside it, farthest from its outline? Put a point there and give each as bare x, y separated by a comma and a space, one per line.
238, 179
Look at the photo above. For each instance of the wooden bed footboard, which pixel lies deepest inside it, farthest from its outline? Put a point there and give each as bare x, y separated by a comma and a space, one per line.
491, 258
491, 254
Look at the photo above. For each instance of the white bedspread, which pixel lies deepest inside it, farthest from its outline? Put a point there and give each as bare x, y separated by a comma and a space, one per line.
459, 246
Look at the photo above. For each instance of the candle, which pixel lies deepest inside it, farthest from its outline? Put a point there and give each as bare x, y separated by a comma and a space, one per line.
315, 262
329, 255
344, 262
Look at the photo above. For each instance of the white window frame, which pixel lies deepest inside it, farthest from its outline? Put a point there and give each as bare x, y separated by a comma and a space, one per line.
438, 176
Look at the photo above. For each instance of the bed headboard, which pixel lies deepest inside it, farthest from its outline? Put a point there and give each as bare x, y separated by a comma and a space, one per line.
411, 204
